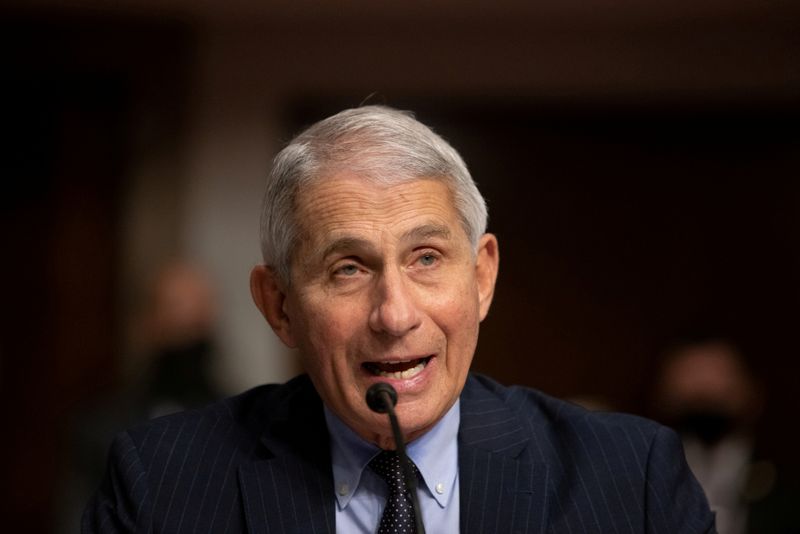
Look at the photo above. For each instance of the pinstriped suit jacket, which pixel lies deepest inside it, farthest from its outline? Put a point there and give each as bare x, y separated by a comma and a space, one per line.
260, 463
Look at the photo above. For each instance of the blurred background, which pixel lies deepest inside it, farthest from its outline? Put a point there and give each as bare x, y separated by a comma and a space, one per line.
640, 161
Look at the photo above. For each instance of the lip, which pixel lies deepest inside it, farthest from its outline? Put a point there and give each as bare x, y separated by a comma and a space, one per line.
402, 385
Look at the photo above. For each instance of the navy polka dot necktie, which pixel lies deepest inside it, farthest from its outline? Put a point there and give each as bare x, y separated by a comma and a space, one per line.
398, 515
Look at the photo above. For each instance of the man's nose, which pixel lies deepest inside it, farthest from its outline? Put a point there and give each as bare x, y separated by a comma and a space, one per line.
394, 309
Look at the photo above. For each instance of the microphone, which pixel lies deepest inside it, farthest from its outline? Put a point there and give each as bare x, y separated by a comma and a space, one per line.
382, 398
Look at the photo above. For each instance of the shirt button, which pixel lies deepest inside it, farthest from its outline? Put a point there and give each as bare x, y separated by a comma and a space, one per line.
439, 488
344, 489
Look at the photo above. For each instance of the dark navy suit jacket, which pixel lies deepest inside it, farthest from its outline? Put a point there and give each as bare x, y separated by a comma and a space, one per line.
260, 463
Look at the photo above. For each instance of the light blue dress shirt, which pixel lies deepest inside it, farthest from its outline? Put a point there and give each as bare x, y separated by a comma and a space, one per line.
361, 494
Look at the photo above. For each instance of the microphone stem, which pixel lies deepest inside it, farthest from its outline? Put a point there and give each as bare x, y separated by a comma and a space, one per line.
408, 472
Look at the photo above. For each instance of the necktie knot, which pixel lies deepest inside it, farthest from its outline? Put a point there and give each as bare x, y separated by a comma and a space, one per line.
388, 466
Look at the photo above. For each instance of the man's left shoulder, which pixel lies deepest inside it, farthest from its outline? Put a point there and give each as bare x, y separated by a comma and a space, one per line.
611, 470
539, 409
559, 432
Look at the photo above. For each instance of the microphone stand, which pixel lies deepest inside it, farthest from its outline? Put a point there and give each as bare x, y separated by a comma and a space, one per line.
381, 398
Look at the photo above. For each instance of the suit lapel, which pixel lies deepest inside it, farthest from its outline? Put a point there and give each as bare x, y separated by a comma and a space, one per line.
288, 488
286, 495
500, 489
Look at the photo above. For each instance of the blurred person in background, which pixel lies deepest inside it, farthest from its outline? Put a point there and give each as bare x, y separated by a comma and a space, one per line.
175, 353
180, 330
706, 391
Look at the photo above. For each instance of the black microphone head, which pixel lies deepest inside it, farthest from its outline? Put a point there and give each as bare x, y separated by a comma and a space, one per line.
378, 395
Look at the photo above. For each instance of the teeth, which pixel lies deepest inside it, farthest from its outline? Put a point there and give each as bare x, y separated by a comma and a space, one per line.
408, 373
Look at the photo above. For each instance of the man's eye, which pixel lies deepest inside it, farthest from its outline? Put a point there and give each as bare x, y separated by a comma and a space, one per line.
427, 259
347, 270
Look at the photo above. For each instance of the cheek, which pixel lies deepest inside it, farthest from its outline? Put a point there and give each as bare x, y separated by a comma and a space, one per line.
460, 311
328, 329
460, 322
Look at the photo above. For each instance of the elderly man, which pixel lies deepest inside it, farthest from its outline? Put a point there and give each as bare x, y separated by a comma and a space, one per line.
377, 268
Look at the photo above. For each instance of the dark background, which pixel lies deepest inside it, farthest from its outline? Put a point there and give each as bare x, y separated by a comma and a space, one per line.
640, 167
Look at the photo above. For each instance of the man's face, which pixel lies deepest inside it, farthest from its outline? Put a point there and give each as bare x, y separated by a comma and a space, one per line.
386, 288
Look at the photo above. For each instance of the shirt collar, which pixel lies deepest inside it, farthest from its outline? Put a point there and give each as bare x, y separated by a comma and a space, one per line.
350, 454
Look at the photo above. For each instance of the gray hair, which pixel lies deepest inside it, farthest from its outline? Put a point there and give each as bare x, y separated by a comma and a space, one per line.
375, 142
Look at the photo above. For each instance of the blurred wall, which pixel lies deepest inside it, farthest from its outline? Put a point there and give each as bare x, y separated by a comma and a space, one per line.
230, 138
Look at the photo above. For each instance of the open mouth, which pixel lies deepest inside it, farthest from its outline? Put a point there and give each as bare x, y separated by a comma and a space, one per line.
399, 370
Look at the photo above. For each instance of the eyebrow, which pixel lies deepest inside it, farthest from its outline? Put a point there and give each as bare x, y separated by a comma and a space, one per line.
346, 243
427, 231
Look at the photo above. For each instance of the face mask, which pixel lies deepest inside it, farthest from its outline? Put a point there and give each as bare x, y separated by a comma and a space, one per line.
708, 426
180, 372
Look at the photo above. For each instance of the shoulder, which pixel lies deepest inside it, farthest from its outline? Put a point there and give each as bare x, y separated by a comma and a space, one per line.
233, 424
187, 461
603, 466
562, 432
544, 411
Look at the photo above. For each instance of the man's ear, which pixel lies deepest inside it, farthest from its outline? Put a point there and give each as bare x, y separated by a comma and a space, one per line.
486, 265
270, 298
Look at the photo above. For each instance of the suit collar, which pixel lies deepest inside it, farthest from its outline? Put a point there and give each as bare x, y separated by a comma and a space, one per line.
288, 487
488, 424
500, 489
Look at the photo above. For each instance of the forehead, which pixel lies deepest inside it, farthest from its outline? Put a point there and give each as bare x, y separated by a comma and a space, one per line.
346, 204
